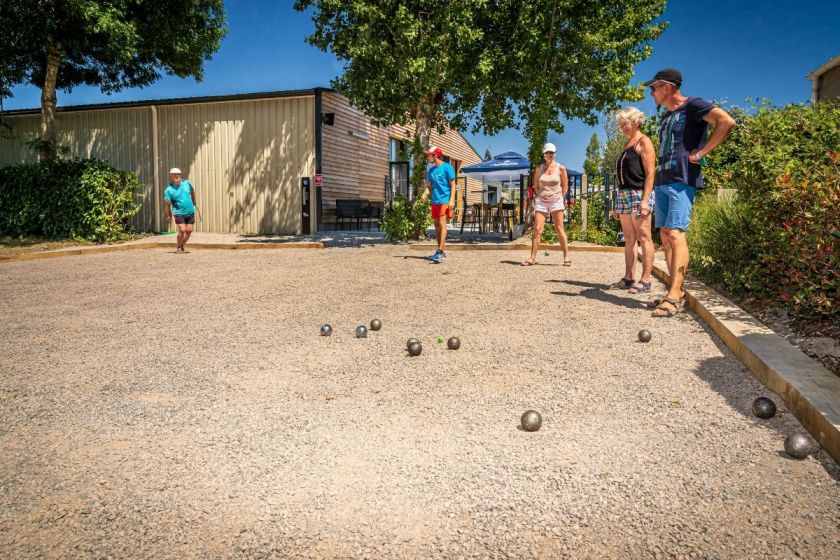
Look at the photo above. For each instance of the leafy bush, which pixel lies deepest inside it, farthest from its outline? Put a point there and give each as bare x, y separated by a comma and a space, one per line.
402, 221
81, 199
784, 164
599, 229
719, 240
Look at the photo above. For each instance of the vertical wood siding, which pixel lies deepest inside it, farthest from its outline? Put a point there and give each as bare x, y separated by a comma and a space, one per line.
245, 158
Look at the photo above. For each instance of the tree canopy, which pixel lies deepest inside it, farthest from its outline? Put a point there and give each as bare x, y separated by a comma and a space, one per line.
556, 59
110, 44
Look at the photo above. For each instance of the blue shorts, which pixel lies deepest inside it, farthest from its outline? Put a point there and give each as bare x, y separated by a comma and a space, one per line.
672, 205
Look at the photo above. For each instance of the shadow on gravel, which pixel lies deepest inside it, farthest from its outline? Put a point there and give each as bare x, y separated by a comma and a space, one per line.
332, 239
598, 293
519, 263
724, 373
413, 257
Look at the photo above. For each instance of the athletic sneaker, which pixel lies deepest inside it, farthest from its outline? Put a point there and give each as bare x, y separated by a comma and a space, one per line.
434, 255
438, 257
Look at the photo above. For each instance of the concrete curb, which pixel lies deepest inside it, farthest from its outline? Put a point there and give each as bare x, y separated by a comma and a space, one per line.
515, 247
159, 244
810, 391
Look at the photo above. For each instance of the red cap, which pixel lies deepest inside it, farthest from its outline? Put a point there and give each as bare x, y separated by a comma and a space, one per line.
434, 150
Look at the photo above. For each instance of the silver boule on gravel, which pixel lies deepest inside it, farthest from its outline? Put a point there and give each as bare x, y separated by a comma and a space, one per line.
764, 408
797, 446
531, 421
326, 330
361, 331
453, 343
411, 341
415, 349
644, 335
375, 325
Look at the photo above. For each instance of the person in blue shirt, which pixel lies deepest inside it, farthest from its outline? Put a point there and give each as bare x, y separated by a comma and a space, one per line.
441, 184
683, 143
180, 206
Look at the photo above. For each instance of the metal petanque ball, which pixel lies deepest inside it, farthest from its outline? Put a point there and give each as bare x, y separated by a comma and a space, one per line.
415, 349
361, 331
764, 408
531, 421
411, 341
326, 330
453, 343
644, 335
797, 446
375, 325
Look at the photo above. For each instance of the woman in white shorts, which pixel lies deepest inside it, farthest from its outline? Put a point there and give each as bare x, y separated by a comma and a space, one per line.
552, 185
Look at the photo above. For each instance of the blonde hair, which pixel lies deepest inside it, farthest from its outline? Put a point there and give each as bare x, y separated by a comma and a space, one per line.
630, 114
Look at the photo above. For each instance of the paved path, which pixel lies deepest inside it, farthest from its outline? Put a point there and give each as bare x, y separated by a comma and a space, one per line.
183, 406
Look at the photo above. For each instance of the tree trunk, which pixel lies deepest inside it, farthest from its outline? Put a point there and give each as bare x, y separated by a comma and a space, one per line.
47, 147
422, 134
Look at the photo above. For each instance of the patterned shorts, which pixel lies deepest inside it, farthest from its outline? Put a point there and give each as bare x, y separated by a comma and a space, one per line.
628, 201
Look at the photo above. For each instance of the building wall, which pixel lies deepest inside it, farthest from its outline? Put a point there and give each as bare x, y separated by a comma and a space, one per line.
355, 154
245, 158
123, 137
829, 87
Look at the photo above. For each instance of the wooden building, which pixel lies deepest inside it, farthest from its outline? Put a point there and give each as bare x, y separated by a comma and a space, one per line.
247, 155
825, 81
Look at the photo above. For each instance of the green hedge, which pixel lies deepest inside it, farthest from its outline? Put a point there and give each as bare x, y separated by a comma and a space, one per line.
780, 239
401, 221
599, 229
80, 199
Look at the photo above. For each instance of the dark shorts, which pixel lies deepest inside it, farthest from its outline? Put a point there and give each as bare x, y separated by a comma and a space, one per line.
188, 219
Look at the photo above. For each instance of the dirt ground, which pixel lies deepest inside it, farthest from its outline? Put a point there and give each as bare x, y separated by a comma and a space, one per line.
11, 246
155, 405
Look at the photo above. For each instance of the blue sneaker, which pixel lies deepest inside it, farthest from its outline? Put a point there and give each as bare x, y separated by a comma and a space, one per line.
438, 257
434, 256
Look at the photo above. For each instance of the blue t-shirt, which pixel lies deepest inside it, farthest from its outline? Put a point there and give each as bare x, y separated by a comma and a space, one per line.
682, 131
439, 177
182, 204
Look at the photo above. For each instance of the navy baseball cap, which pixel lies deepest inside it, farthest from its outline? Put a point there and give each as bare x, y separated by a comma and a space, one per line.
668, 75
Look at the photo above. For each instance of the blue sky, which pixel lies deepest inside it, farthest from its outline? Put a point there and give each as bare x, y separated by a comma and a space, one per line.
726, 49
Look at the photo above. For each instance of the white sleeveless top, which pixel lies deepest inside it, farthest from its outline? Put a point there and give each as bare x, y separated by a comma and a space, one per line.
551, 187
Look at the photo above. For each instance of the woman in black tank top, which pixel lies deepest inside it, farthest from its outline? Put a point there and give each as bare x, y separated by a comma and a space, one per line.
634, 173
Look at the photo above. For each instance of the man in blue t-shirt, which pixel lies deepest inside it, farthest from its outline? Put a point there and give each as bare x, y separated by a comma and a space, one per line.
180, 206
442, 186
683, 144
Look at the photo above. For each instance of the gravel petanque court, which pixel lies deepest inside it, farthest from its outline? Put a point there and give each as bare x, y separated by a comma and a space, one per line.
155, 405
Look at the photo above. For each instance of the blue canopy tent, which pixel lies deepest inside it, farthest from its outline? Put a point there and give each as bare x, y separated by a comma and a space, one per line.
512, 167
509, 166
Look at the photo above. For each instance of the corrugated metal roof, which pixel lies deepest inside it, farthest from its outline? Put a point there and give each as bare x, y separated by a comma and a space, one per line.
176, 101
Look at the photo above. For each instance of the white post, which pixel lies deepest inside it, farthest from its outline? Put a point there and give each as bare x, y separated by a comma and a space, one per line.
583, 206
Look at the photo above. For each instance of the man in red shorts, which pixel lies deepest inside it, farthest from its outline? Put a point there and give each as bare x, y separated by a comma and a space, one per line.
442, 186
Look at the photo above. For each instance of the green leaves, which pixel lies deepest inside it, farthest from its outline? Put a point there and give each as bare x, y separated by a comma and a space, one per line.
783, 164
80, 199
112, 44
401, 222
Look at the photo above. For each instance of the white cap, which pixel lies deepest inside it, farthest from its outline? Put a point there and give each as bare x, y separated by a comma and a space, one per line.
174, 170
549, 147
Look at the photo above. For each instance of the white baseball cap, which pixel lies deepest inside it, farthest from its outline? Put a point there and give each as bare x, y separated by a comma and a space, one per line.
549, 147
174, 170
